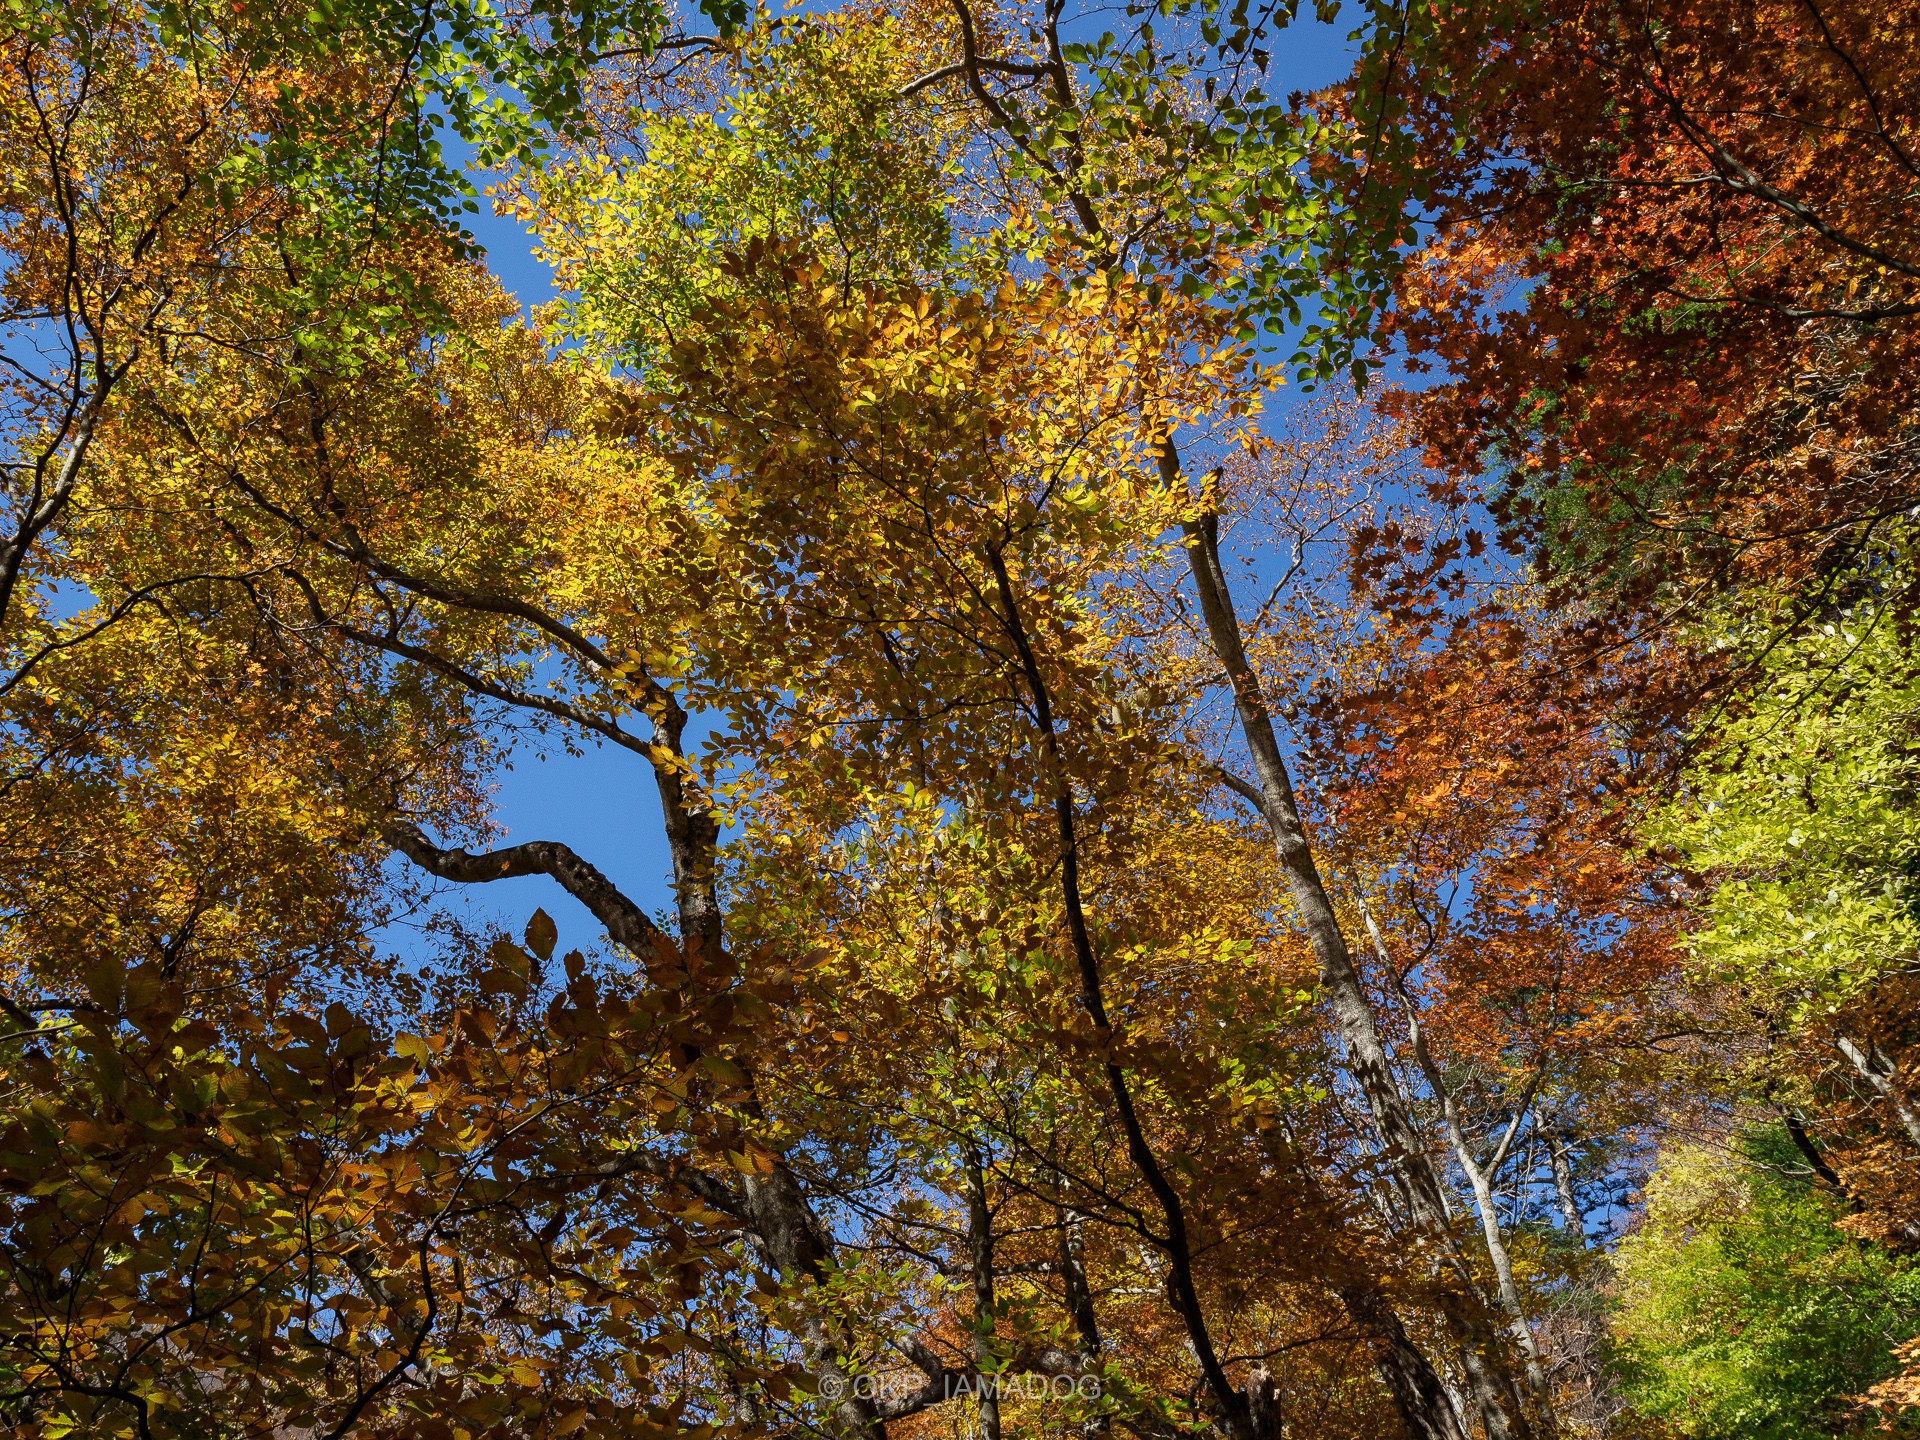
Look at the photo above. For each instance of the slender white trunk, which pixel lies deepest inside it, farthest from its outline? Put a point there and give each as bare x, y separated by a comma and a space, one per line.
1563, 1187
1878, 1071
1479, 1177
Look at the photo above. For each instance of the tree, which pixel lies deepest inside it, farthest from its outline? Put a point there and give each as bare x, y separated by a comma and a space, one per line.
340, 495
1231, 217
1697, 217
1745, 1310
168, 164
1483, 845
1793, 822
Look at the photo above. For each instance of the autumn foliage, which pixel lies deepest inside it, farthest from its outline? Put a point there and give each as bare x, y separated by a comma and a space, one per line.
1187, 908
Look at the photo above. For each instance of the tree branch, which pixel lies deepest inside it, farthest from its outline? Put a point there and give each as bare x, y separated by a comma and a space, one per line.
626, 924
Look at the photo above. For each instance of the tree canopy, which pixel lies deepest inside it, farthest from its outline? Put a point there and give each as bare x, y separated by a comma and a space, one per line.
1279, 710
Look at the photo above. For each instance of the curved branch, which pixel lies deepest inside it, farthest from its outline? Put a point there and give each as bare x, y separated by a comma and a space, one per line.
959, 68
356, 551
1743, 180
626, 924
118, 613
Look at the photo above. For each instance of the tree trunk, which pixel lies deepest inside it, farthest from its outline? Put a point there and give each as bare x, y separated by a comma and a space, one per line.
1479, 1177
1402, 1150
1418, 1392
980, 1248
777, 1205
1878, 1071
1563, 1187
1073, 1280
1481, 1182
1182, 1291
